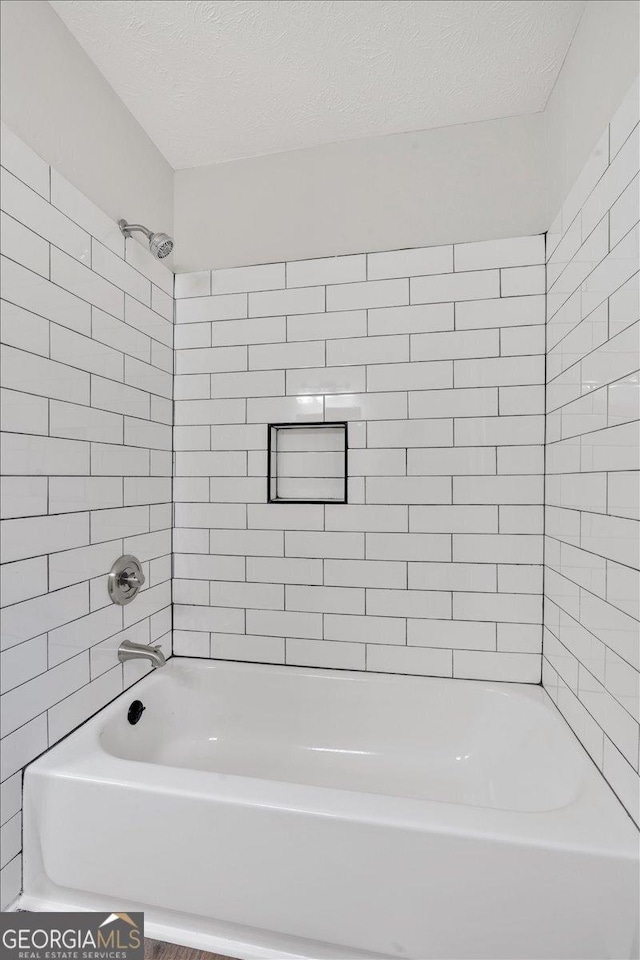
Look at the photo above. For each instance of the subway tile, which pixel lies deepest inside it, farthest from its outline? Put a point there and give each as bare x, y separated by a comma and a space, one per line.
367, 350
451, 462
329, 326
297, 570
505, 312
410, 376
108, 330
302, 652
522, 281
324, 380
410, 263
31, 210
373, 293
114, 269
453, 519
138, 255
31, 618
24, 455
262, 596
74, 638
377, 463
118, 522
514, 252
452, 576
324, 544
211, 463
246, 648
208, 309
194, 284
486, 665
37, 295
83, 353
11, 797
23, 746
324, 599
44, 377
82, 563
452, 634
284, 409
366, 406
268, 383
147, 321
286, 355
366, 518
500, 371
19, 328
193, 412
23, 580
23, 662
281, 302
409, 660
456, 345
78, 422
365, 573
504, 607
211, 360
428, 604
119, 398
408, 546
498, 490
268, 276
225, 516
363, 629
421, 318
23, 496
308, 273
146, 377
458, 402
446, 287
21, 160
243, 332
497, 548
190, 335
109, 460
410, 433
284, 623
22, 245
79, 280
408, 490
500, 431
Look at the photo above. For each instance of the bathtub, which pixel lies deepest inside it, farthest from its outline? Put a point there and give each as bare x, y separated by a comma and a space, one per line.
279, 812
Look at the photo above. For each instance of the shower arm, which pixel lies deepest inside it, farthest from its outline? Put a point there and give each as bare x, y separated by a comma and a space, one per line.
128, 228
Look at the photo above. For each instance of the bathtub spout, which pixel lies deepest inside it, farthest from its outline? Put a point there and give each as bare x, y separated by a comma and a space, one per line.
141, 651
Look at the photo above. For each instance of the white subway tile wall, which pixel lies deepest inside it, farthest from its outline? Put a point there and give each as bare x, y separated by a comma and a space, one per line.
591, 641
87, 364
435, 357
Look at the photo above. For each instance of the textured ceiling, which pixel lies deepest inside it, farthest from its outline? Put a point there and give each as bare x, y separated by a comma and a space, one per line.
215, 80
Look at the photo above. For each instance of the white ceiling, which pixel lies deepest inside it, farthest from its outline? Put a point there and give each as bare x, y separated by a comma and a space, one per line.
215, 80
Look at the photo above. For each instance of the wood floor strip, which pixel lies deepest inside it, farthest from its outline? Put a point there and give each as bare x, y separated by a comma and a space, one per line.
159, 950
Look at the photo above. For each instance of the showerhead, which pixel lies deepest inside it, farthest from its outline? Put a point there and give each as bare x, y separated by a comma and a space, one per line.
160, 244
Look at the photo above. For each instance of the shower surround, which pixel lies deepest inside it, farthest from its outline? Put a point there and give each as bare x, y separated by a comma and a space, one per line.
435, 357
87, 363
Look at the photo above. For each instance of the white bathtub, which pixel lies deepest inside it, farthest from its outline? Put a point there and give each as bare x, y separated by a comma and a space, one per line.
279, 812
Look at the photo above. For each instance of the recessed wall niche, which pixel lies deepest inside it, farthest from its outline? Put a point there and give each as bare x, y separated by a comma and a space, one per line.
307, 462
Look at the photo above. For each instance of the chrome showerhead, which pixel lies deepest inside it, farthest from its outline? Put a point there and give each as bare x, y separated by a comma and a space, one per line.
160, 244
